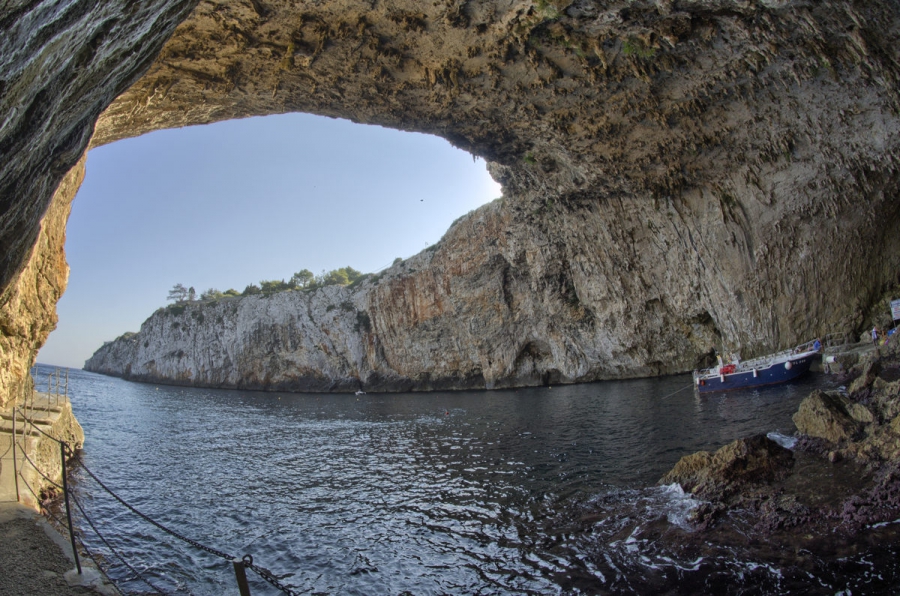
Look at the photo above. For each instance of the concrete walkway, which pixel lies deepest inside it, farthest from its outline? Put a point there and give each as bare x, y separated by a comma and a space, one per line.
35, 559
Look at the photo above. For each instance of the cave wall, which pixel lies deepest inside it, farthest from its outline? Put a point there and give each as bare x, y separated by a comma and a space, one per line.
676, 173
28, 312
61, 65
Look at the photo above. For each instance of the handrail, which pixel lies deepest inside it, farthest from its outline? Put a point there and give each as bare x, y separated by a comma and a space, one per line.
63, 449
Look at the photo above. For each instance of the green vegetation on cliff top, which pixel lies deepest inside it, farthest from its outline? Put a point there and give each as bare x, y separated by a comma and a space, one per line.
302, 280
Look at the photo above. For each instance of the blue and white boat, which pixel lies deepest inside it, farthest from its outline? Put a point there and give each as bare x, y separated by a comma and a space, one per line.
766, 370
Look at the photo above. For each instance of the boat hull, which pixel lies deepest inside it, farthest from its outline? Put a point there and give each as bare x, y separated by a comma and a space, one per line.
780, 372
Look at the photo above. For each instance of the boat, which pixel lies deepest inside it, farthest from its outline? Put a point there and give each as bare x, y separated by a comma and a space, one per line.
772, 369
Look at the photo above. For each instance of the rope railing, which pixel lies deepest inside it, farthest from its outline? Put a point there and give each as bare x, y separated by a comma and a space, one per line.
113, 550
60, 523
39, 471
246, 562
98, 565
36, 497
268, 577
34, 426
240, 565
152, 521
64, 452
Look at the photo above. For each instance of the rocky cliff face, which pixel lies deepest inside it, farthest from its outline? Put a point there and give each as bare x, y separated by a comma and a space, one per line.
677, 174
28, 311
459, 315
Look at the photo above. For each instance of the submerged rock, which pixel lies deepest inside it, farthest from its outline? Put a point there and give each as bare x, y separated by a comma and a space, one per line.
876, 504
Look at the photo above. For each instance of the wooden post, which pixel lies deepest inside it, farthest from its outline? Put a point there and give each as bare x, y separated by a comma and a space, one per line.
62, 454
240, 573
15, 456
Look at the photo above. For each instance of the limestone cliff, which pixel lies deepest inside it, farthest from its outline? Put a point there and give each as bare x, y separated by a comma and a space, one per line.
455, 316
677, 173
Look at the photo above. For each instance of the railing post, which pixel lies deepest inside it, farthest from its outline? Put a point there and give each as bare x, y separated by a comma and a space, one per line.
240, 573
62, 453
15, 456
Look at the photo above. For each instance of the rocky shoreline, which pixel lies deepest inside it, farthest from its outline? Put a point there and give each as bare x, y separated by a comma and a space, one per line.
831, 490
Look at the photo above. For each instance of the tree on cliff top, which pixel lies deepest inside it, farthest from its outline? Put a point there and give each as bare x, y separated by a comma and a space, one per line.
273, 286
178, 293
211, 294
339, 277
301, 279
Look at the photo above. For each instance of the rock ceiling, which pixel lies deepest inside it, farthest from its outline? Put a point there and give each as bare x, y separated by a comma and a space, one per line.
685, 169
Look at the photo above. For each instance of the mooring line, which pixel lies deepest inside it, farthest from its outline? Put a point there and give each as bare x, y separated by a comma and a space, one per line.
679, 391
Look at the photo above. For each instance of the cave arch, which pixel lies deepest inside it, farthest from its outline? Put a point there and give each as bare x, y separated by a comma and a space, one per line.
694, 150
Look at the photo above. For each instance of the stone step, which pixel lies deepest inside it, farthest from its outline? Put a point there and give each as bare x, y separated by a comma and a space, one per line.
6, 416
46, 408
6, 429
56, 409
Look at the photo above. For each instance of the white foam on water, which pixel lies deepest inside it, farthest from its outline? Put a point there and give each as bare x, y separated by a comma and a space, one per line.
753, 566
783, 440
665, 561
678, 505
594, 570
885, 523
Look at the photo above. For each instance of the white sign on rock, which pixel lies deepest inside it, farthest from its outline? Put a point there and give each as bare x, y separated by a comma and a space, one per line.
895, 309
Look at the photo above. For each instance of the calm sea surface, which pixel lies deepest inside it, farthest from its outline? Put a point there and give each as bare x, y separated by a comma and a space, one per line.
531, 491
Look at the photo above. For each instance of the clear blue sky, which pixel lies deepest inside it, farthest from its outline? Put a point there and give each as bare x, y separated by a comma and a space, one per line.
233, 203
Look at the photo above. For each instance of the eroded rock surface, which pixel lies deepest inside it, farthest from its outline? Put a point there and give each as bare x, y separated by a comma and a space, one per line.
719, 475
474, 325
863, 425
676, 174
841, 478
827, 416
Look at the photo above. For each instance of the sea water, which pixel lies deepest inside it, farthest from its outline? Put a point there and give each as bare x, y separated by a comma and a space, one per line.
549, 490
